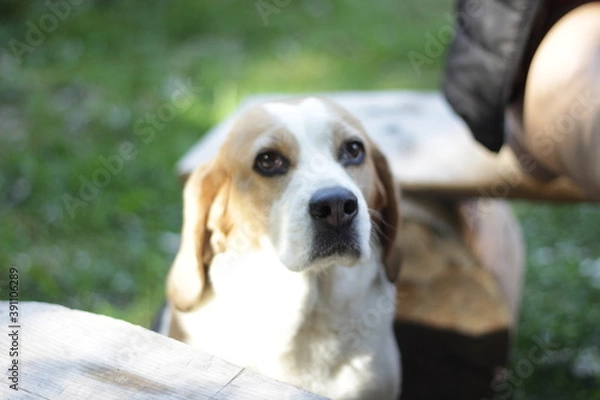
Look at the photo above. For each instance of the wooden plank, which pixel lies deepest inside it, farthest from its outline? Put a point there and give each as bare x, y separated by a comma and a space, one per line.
65, 353
429, 148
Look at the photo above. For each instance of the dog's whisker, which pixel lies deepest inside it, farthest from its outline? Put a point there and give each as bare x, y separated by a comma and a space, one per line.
376, 228
376, 214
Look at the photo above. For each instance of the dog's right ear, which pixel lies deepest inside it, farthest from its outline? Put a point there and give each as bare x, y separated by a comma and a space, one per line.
187, 277
390, 214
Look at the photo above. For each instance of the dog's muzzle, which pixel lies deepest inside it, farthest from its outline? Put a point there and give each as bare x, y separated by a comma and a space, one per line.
333, 211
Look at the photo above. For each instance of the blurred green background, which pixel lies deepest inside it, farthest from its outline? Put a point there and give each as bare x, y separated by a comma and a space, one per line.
81, 79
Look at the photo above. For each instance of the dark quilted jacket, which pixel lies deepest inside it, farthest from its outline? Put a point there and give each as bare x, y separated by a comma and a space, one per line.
483, 62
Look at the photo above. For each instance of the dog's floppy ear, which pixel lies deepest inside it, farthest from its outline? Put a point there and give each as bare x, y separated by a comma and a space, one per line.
388, 193
187, 277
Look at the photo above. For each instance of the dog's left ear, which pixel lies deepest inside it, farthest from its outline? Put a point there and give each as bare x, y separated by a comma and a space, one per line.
204, 199
388, 193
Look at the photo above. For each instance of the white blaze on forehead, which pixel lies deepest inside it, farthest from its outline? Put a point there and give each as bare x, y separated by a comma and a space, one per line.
307, 120
317, 166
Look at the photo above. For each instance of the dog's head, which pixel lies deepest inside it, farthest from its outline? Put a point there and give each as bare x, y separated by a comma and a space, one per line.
300, 177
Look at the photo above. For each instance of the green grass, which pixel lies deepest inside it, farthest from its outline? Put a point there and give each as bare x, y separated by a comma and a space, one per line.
560, 300
78, 95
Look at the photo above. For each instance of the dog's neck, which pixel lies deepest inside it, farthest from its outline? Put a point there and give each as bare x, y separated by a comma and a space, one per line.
257, 276
294, 326
289, 302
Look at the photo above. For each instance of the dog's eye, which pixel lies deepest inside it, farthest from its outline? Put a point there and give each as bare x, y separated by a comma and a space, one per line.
352, 153
271, 163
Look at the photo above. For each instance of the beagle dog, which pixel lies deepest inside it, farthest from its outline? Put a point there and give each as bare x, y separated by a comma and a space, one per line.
286, 264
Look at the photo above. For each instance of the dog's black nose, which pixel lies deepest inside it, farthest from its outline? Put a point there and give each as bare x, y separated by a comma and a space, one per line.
334, 206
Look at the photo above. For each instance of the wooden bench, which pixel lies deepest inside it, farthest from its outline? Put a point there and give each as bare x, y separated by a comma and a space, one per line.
428, 146
70, 354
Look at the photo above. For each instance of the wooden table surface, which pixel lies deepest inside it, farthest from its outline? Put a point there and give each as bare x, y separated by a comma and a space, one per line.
70, 354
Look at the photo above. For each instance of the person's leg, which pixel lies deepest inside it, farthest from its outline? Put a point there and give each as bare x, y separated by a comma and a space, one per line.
561, 106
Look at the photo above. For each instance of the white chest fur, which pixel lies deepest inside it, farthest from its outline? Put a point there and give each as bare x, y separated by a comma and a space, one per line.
329, 332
